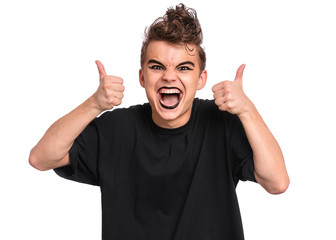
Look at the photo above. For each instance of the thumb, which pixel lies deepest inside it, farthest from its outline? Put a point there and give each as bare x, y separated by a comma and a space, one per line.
101, 69
239, 74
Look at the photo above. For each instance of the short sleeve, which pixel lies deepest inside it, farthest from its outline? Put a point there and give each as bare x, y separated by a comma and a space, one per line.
83, 154
242, 155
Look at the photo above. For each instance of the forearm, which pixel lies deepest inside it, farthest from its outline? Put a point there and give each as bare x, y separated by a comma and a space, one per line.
52, 150
270, 169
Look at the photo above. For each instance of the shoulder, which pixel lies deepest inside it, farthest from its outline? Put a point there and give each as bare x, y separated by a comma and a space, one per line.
208, 109
208, 115
122, 116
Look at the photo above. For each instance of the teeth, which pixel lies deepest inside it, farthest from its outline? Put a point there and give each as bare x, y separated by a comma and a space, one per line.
169, 91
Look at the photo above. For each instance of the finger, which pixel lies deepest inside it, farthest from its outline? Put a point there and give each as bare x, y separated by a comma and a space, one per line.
218, 94
219, 101
217, 87
223, 107
117, 101
101, 69
113, 79
222, 85
239, 74
118, 87
119, 95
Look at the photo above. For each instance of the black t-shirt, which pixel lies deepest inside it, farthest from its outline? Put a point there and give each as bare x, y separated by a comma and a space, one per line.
165, 184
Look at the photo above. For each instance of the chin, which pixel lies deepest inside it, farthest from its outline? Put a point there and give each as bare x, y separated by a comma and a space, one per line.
171, 118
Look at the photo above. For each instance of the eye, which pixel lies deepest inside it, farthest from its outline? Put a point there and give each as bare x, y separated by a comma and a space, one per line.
184, 68
156, 67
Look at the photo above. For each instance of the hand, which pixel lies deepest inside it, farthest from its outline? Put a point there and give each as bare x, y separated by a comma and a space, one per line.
110, 90
229, 95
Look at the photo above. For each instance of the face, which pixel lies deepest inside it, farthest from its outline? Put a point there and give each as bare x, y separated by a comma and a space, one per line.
171, 76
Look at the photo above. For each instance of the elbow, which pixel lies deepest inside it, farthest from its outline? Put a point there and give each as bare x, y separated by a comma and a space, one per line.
279, 187
274, 186
35, 162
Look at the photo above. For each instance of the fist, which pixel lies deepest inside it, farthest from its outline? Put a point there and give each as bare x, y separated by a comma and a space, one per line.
110, 90
229, 95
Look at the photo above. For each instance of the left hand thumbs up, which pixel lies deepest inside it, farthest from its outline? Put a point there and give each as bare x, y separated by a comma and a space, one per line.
229, 95
239, 75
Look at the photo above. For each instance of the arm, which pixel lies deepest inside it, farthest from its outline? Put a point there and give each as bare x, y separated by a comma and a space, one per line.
52, 151
270, 169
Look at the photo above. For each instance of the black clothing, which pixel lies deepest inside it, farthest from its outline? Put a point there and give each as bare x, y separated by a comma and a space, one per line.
165, 184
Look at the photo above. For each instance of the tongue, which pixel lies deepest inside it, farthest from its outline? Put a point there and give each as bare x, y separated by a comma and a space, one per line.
169, 99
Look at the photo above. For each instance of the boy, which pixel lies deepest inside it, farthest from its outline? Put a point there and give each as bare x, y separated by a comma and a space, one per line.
167, 169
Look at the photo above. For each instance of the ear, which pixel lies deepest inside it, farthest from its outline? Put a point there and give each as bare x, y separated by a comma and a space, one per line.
202, 79
141, 78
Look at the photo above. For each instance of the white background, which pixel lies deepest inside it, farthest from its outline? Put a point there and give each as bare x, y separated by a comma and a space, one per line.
47, 54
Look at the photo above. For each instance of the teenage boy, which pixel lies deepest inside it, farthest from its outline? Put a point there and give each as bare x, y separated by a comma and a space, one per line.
167, 169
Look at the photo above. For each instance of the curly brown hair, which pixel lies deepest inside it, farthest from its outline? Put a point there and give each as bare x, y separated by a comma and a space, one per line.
177, 26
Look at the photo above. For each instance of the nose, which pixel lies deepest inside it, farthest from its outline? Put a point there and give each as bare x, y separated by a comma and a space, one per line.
169, 75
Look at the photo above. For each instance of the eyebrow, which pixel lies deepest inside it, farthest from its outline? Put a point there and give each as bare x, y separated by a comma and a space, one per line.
182, 63
186, 63
154, 61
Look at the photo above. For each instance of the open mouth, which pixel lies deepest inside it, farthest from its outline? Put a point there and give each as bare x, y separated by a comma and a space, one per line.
170, 97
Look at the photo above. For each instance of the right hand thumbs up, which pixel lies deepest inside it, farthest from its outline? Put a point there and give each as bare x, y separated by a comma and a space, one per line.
101, 69
110, 90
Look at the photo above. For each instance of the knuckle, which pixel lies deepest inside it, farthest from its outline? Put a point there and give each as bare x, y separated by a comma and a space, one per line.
222, 108
228, 89
229, 96
111, 102
108, 78
106, 85
114, 101
218, 94
230, 105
